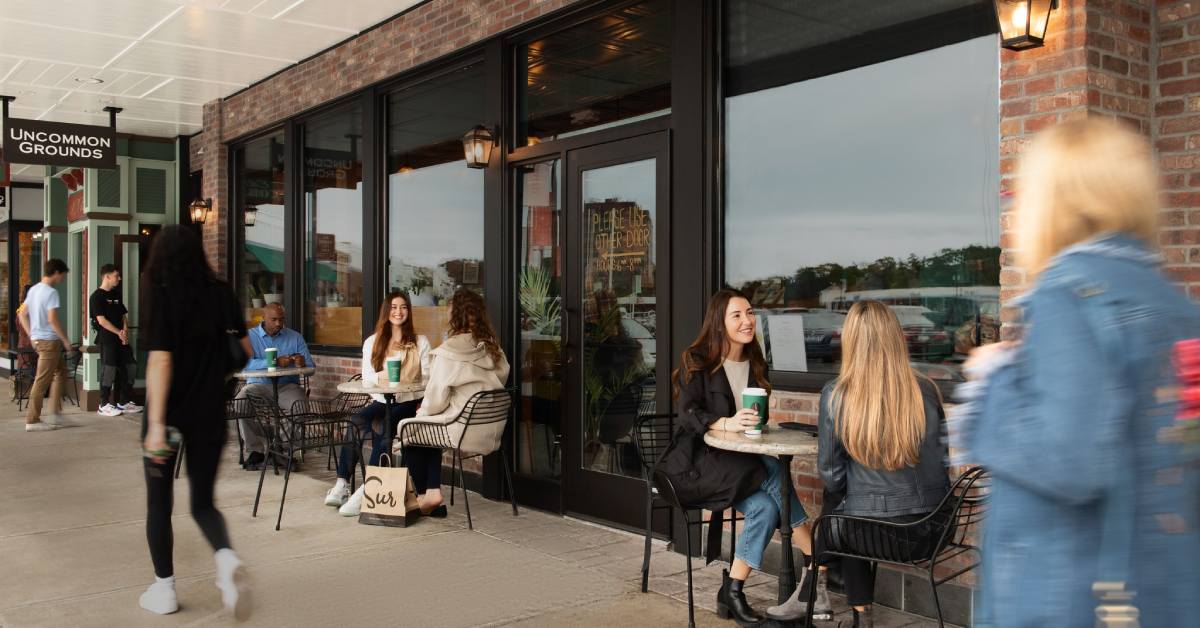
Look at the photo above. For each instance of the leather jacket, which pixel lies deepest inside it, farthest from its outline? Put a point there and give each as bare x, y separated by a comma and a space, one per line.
865, 492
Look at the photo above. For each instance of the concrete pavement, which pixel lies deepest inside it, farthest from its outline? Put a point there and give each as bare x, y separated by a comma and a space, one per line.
73, 552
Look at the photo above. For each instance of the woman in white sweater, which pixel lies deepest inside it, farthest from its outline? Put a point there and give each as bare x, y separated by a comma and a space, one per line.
394, 337
470, 360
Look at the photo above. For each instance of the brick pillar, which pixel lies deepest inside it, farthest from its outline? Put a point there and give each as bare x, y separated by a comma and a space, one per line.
214, 161
1176, 128
1096, 62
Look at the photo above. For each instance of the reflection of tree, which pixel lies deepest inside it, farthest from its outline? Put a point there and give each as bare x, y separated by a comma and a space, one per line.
972, 265
611, 362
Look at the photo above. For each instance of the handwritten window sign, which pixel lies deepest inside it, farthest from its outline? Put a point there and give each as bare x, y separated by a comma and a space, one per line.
43, 143
619, 235
326, 247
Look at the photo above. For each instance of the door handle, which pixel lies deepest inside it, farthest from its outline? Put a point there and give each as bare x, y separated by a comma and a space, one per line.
569, 359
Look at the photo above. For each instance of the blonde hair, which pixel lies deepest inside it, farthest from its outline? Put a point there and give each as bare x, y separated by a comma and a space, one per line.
877, 404
1081, 179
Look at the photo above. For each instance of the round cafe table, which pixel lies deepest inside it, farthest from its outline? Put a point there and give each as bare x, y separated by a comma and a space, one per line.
293, 371
783, 444
392, 394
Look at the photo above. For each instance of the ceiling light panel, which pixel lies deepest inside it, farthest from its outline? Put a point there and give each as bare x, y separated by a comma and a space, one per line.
244, 34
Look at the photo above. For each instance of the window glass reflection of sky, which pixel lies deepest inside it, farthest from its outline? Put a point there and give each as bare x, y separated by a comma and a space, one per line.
893, 159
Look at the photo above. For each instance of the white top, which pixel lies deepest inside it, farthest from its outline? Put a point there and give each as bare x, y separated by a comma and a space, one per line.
772, 442
371, 378
41, 299
738, 374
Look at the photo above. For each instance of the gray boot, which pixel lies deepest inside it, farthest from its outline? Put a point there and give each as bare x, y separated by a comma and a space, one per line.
795, 608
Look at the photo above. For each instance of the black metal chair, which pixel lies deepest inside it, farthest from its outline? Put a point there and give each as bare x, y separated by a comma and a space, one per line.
71, 385
924, 544
652, 435
24, 369
235, 410
617, 421
312, 424
486, 407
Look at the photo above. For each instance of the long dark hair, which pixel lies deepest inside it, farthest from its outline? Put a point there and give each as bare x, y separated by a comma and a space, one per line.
707, 351
468, 315
177, 276
383, 329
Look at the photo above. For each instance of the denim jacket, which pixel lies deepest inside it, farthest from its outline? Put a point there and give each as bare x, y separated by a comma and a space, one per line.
1086, 399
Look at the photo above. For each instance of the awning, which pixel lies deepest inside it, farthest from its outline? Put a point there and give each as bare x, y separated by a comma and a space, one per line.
272, 259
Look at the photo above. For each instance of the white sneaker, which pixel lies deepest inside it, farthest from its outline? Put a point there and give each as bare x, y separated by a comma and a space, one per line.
59, 420
109, 409
40, 426
337, 495
353, 505
160, 598
233, 583
129, 408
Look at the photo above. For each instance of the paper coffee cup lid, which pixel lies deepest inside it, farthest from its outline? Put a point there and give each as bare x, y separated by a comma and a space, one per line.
754, 391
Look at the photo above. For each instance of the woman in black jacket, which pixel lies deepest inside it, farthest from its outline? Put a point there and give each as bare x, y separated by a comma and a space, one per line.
882, 449
723, 361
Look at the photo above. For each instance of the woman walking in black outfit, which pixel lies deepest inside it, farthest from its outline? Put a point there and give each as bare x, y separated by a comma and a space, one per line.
186, 318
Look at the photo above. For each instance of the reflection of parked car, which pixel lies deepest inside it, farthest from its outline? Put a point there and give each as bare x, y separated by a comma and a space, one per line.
638, 332
927, 341
940, 372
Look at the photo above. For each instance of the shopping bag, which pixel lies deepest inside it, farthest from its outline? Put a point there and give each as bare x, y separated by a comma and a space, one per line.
388, 497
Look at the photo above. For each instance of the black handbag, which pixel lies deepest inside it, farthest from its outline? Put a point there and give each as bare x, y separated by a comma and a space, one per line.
233, 354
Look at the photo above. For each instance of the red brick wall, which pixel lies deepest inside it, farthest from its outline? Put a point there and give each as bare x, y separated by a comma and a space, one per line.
1176, 128
429, 31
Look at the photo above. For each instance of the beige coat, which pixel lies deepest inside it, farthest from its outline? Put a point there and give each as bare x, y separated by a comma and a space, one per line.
462, 367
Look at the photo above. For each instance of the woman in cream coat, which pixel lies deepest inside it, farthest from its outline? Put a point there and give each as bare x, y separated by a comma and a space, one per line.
467, 362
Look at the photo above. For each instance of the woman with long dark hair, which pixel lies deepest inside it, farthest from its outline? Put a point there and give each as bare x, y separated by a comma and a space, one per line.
186, 312
721, 362
469, 361
394, 337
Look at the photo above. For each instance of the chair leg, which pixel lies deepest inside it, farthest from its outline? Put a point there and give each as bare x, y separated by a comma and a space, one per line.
512, 491
287, 474
262, 474
733, 533
814, 569
179, 459
241, 445
937, 603
687, 555
462, 479
453, 468
649, 531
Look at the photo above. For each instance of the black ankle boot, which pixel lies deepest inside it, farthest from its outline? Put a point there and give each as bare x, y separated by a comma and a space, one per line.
731, 602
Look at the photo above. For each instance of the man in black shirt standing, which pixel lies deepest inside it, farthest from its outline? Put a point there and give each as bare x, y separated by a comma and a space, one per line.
112, 334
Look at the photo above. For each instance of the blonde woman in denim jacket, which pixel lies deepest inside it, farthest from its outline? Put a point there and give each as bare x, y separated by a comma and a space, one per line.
1076, 422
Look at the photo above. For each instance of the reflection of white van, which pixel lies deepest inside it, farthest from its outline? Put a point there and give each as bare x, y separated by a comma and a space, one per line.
551, 331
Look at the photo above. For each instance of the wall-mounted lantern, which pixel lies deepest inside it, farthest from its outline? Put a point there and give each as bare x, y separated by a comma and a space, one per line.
477, 145
251, 215
199, 210
1023, 22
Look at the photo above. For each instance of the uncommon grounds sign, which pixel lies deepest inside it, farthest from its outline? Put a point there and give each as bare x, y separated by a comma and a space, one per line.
59, 144
42, 143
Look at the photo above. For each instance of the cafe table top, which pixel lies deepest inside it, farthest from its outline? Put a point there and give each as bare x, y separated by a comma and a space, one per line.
402, 392
774, 441
292, 371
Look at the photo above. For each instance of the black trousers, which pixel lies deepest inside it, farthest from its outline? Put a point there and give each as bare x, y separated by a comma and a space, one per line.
203, 452
116, 373
425, 466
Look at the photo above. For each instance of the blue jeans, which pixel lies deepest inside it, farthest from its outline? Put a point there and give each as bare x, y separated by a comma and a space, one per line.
369, 423
761, 510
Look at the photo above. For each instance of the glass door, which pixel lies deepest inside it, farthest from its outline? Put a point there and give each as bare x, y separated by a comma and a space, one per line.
617, 202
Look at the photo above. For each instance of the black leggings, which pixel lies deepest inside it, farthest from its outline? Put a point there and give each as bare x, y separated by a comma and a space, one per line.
425, 466
203, 452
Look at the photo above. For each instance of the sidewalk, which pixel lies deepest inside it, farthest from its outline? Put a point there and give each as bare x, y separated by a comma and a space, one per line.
73, 546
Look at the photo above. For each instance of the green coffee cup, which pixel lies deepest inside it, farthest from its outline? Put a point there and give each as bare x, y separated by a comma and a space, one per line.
756, 398
393, 370
271, 354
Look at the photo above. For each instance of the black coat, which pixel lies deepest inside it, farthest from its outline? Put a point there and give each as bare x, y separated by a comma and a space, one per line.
704, 477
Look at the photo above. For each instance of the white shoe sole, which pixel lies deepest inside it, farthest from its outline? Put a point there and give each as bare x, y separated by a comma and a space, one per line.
50, 427
158, 611
349, 513
243, 605
335, 502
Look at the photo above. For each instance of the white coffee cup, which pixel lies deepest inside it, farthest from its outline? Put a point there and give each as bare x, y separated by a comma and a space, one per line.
757, 399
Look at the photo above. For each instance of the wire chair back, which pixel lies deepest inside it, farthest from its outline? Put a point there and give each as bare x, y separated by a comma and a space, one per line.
652, 435
241, 408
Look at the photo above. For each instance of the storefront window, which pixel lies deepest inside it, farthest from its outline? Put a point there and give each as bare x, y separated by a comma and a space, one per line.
333, 253
435, 202
879, 182
261, 178
611, 70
